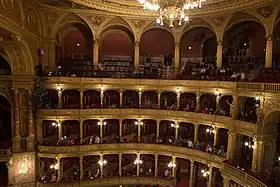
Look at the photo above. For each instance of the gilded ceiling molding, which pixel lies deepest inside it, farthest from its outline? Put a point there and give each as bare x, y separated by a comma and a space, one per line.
110, 6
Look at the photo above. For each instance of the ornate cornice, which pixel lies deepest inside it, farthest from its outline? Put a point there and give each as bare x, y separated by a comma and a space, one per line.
130, 148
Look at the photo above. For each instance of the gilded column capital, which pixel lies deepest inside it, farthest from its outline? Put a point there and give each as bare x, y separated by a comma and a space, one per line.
269, 37
96, 41
220, 42
136, 43
177, 44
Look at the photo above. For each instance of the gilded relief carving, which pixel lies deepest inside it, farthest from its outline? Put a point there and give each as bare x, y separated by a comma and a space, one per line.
8, 4
97, 20
266, 12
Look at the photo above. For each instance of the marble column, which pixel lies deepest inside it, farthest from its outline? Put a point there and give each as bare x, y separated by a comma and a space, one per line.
178, 100
192, 174
196, 127
17, 136
81, 131
177, 57
158, 101
258, 155
139, 131
140, 98
120, 165
121, 97
138, 165
136, 55
59, 126
59, 92
31, 133
156, 165
216, 136
174, 168
60, 168
81, 98
198, 101
95, 53
176, 130
219, 62
218, 99
101, 165
101, 97
120, 128
101, 130
81, 168
226, 181
268, 51
209, 184
158, 123
231, 149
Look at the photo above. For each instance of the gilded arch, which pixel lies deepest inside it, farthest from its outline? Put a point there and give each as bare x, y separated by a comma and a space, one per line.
70, 18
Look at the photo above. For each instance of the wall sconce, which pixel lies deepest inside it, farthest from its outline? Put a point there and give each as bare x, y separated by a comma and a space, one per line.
174, 125
102, 162
55, 124
138, 161
104, 123
171, 165
205, 173
250, 145
23, 168
54, 166
137, 123
210, 130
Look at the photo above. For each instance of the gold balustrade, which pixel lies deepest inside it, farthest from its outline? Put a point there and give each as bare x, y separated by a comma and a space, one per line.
241, 127
240, 176
130, 148
114, 181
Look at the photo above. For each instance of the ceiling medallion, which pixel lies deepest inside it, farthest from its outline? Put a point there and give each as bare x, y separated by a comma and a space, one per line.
171, 10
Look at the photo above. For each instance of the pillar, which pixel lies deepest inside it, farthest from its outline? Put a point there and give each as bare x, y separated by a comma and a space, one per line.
174, 168
231, 149
101, 97
39, 131
31, 133
81, 168
120, 129
101, 130
59, 98
156, 165
216, 136
209, 184
218, 99
17, 136
81, 131
81, 98
177, 57
176, 130
195, 139
158, 123
178, 100
192, 174
138, 165
120, 165
234, 107
101, 166
140, 97
121, 97
136, 55
95, 53
268, 51
158, 102
219, 62
60, 169
258, 155
198, 102
226, 181
139, 131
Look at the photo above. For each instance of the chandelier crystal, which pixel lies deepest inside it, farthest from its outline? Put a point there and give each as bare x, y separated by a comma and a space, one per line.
171, 10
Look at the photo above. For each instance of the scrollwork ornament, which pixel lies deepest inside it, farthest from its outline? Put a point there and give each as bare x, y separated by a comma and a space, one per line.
8, 4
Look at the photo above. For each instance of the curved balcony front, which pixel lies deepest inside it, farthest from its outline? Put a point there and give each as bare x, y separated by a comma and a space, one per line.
113, 181
238, 126
130, 148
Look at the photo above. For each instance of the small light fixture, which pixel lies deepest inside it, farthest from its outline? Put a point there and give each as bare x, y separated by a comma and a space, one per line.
205, 173
210, 130
58, 88
257, 98
55, 124
102, 162
54, 166
190, 47
137, 123
78, 44
138, 162
171, 165
175, 125
140, 89
104, 123
245, 44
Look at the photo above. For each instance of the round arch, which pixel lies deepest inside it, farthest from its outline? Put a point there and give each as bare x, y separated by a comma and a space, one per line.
157, 43
5, 68
62, 21
193, 39
246, 40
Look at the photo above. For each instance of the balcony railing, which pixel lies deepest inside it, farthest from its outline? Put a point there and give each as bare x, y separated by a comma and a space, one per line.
114, 181
240, 176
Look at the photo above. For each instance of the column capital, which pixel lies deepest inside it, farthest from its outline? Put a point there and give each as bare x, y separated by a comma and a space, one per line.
269, 37
220, 42
96, 41
136, 43
177, 44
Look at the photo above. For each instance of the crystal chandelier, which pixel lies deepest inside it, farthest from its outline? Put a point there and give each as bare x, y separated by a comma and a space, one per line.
171, 10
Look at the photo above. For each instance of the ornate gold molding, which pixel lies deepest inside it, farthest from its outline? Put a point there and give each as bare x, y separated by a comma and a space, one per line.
241, 127
113, 181
130, 148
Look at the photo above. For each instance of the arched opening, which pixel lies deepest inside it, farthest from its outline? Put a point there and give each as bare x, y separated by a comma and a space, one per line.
116, 50
156, 49
244, 46
5, 123
74, 49
276, 45
5, 68
197, 45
